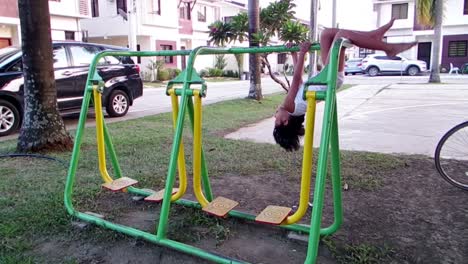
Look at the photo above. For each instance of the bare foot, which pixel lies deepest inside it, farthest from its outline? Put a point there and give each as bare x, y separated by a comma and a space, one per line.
380, 32
397, 48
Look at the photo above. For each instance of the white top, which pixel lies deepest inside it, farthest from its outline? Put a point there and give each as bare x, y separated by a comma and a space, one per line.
301, 105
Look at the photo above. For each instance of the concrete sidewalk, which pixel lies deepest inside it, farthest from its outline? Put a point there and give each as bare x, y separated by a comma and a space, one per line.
397, 118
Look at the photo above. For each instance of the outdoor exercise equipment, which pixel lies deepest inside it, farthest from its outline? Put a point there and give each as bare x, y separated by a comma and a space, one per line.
191, 102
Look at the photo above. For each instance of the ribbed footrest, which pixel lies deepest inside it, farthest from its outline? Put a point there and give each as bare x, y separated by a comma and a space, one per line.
120, 184
220, 206
273, 214
159, 195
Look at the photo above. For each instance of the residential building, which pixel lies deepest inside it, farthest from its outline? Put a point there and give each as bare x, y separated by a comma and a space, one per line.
64, 19
407, 28
152, 25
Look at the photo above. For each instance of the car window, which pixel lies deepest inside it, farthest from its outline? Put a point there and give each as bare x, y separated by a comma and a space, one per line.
60, 57
8, 52
83, 55
112, 60
16, 67
396, 58
381, 57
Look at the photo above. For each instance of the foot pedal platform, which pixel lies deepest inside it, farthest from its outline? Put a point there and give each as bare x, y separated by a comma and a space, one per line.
220, 206
120, 184
159, 195
273, 214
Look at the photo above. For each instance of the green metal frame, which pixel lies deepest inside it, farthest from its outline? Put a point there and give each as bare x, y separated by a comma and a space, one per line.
329, 142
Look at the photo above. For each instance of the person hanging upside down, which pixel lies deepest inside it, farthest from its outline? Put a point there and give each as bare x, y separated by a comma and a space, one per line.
289, 117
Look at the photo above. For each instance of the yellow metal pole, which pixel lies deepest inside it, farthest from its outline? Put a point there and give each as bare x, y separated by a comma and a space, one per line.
197, 150
181, 154
100, 137
306, 162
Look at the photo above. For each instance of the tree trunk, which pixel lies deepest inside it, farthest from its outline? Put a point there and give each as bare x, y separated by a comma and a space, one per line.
313, 37
240, 64
255, 91
43, 127
274, 77
438, 19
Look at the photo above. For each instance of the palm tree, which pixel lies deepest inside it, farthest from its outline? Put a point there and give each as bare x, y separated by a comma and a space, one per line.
430, 13
277, 19
43, 127
255, 90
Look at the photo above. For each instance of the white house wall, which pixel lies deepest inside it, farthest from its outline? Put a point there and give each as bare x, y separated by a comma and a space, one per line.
454, 15
68, 8
454, 23
105, 26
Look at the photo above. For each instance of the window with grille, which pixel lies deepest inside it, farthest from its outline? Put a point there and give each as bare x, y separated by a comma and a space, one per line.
122, 4
202, 13
282, 58
228, 19
167, 59
70, 35
457, 48
400, 11
184, 11
155, 6
95, 8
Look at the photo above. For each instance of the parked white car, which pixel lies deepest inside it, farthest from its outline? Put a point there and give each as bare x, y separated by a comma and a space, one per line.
380, 63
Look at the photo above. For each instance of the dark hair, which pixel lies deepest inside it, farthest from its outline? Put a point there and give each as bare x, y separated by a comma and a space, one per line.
287, 136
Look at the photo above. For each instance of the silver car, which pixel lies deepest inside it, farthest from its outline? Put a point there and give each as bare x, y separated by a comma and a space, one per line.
353, 66
380, 63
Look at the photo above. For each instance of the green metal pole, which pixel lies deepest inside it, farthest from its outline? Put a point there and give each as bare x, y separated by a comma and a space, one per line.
154, 239
336, 178
76, 153
319, 192
164, 215
204, 51
112, 153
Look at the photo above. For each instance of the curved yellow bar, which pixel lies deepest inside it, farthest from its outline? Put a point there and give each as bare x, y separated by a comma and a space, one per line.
100, 137
306, 162
181, 155
197, 150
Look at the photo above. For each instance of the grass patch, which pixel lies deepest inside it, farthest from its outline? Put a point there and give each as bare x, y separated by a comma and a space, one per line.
31, 190
357, 253
156, 84
221, 79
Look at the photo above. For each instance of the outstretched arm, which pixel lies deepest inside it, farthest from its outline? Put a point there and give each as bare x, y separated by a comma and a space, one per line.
288, 103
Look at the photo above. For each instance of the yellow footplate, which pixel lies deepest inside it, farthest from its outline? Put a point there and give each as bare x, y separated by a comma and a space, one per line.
220, 206
119, 184
273, 214
159, 195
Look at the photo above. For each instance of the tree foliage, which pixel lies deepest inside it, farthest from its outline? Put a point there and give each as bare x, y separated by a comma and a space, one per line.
431, 13
426, 12
277, 19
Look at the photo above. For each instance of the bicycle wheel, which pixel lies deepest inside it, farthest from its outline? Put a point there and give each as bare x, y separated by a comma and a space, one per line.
451, 156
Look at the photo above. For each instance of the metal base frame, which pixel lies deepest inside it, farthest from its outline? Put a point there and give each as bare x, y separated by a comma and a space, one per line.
329, 144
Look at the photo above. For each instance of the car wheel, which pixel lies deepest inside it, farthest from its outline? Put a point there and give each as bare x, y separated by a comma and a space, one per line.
373, 71
9, 118
117, 103
412, 71
346, 73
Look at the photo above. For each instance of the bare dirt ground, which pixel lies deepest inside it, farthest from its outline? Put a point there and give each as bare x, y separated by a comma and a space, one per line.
406, 214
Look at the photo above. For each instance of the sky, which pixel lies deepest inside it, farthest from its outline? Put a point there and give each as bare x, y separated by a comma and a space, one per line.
351, 14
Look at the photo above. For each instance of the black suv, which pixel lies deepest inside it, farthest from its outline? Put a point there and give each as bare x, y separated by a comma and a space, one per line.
71, 65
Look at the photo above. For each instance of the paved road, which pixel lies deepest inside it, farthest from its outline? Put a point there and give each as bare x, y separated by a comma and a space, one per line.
398, 118
155, 101
397, 79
